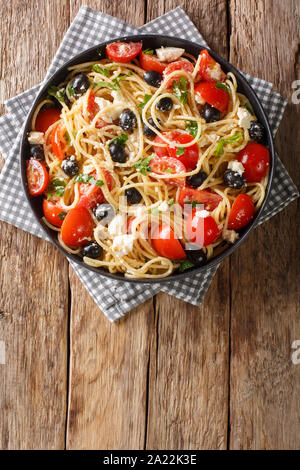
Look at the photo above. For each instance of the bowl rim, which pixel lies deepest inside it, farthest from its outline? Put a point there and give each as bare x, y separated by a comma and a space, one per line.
252, 98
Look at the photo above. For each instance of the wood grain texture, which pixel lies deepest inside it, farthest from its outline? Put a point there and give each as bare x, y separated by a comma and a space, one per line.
33, 274
109, 363
265, 385
188, 381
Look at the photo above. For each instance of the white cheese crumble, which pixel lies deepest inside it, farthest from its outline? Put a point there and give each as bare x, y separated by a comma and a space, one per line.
236, 166
215, 73
87, 169
164, 206
111, 114
199, 99
203, 214
230, 235
122, 244
168, 54
245, 118
36, 138
117, 226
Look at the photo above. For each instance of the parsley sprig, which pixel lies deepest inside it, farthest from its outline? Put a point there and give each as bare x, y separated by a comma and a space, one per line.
180, 151
220, 85
180, 89
57, 187
220, 145
142, 165
148, 51
121, 140
103, 70
146, 99
59, 94
191, 127
88, 179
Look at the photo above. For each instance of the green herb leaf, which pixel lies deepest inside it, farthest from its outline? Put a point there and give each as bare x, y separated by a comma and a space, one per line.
148, 51
248, 107
220, 148
142, 165
234, 138
103, 70
220, 85
62, 215
57, 186
121, 140
193, 203
191, 127
99, 183
171, 201
180, 89
71, 90
88, 179
67, 137
146, 99
184, 265
112, 86
180, 151
57, 93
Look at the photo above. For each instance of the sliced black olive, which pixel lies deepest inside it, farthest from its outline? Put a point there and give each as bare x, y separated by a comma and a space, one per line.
104, 211
80, 84
37, 152
70, 166
195, 255
117, 153
257, 132
164, 104
233, 179
210, 114
127, 120
196, 180
149, 132
133, 195
153, 78
92, 250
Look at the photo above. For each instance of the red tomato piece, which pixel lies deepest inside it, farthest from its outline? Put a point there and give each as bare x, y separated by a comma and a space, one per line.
210, 200
216, 97
201, 230
77, 227
46, 118
90, 194
123, 51
241, 212
165, 165
181, 64
37, 177
149, 62
165, 242
92, 107
161, 151
53, 212
255, 159
58, 142
190, 155
209, 69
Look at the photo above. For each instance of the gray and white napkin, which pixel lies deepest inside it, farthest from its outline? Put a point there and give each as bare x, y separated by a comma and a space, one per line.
88, 29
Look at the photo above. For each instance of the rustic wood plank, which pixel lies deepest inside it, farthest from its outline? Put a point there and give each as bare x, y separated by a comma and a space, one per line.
33, 274
108, 368
265, 385
188, 381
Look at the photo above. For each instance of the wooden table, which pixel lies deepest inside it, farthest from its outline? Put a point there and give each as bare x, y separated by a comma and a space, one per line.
168, 375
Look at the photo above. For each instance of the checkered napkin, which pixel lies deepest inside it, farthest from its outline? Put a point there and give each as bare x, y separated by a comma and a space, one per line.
88, 29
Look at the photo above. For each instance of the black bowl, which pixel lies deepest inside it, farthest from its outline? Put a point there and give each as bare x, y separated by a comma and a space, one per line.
153, 42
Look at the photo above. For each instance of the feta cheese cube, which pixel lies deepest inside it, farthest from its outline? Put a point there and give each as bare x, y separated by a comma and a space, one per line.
116, 226
36, 138
164, 207
203, 214
169, 54
122, 244
245, 118
237, 166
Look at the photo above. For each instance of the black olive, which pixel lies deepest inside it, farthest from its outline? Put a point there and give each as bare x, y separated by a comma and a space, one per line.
127, 120
149, 132
257, 132
196, 180
133, 195
117, 153
37, 152
104, 211
233, 179
92, 250
210, 114
153, 78
80, 84
164, 104
195, 255
70, 166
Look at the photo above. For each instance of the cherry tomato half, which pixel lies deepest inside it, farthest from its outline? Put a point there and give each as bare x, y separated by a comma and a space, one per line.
46, 118
123, 51
187, 155
209, 69
201, 230
90, 194
210, 200
255, 159
216, 97
182, 64
241, 212
165, 242
37, 177
77, 227
165, 165
148, 62
53, 212
58, 142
